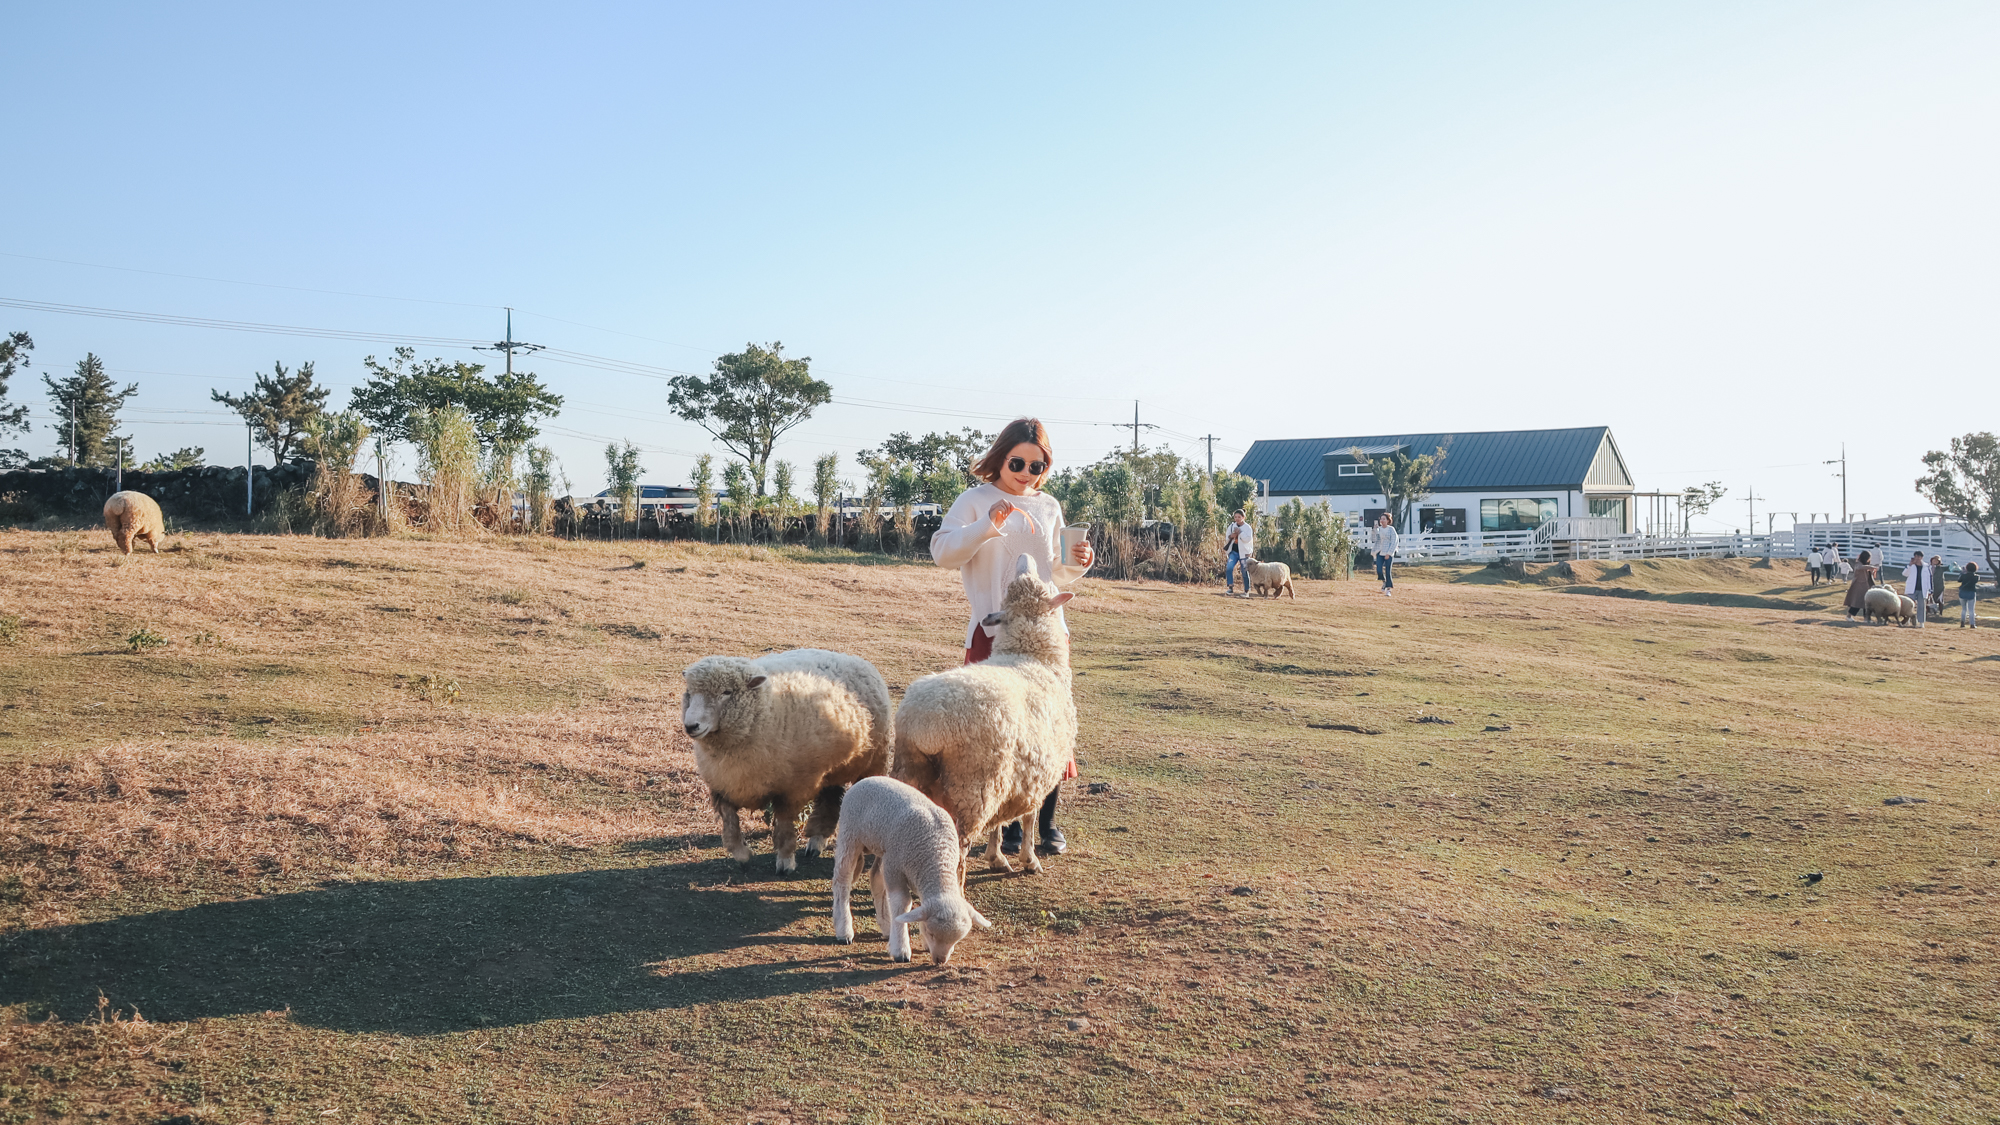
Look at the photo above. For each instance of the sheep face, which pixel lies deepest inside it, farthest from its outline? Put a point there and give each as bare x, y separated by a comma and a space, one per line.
713, 683
945, 923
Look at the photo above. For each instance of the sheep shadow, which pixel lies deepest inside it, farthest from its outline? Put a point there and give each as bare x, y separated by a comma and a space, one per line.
445, 955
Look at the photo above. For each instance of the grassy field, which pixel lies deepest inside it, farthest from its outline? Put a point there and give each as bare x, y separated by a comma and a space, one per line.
407, 831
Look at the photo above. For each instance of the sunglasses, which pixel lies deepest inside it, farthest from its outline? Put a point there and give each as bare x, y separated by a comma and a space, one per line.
1035, 468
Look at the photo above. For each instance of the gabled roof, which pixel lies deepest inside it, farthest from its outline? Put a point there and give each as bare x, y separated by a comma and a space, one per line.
1492, 460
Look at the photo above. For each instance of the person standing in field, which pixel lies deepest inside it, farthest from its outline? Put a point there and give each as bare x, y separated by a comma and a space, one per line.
1829, 561
1812, 566
1917, 585
1937, 585
1968, 596
1241, 540
1382, 544
1862, 582
988, 528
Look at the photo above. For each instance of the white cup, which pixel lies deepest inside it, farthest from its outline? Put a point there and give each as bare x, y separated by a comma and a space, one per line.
1072, 534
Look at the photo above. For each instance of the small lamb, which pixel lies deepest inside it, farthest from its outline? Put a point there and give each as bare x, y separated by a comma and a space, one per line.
988, 741
783, 730
1271, 577
133, 516
919, 855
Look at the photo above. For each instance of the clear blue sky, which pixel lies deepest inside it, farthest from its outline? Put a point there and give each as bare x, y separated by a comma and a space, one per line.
1739, 234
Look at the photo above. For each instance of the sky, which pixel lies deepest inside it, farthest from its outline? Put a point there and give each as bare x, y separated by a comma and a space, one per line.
1741, 235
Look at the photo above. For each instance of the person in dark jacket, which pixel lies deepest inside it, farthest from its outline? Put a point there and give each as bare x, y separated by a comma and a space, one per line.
1968, 595
1863, 581
1937, 585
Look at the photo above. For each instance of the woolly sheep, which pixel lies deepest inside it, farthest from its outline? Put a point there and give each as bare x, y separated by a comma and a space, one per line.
783, 730
1906, 610
917, 848
1270, 576
1882, 602
134, 515
988, 741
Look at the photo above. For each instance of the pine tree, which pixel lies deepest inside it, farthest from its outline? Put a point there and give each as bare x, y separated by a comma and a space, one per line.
281, 408
95, 401
14, 349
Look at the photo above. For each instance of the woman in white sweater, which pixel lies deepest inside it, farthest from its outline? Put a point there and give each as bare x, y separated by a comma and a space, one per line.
988, 528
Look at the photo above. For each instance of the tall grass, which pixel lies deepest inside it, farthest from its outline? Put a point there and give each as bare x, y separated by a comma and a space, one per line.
448, 460
541, 489
341, 507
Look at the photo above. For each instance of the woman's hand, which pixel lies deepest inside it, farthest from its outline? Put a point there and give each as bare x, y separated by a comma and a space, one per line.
1083, 555
1001, 509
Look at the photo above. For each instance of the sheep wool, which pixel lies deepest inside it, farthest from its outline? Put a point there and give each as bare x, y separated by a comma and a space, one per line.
917, 846
1270, 578
783, 730
132, 516
988, 741
1882, 602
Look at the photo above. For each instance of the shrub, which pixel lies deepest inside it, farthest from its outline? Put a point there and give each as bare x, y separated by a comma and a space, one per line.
142, 639
448, 449
433, 688
10, 628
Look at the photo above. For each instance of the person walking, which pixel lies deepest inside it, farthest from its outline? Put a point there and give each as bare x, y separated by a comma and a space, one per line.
1937, 586
1382, 544
1917, 585
1968, 596
1241, 540
1864, 580
988, 528
1812, 566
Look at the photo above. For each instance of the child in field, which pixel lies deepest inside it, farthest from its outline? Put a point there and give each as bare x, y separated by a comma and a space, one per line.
988, 528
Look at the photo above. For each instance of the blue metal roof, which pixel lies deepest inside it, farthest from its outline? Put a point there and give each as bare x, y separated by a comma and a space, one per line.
1496, 460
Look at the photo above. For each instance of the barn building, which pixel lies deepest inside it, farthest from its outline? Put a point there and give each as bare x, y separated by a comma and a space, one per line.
1495, 482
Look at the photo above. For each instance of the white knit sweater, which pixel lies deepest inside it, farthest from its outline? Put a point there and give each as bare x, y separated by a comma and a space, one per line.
984, 556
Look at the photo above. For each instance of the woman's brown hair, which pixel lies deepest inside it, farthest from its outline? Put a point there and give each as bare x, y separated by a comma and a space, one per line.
1016, 432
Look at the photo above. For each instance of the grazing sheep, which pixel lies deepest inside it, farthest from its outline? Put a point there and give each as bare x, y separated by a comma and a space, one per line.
988, 741
1270, 576
782, 730
1906, 610
134, 515
917, 846
1882, 602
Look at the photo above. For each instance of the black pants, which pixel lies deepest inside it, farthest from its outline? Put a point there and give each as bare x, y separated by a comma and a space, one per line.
1045, 821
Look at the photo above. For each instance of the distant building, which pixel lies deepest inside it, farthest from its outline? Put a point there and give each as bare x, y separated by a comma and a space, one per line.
653, 497
1495, 482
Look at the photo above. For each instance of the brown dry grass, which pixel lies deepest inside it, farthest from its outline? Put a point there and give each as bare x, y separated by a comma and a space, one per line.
326, 894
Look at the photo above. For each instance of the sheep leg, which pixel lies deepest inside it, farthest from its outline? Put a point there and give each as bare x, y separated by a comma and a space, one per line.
732, 830
1031, 863
846, 865
994, 859
898, 903
824, 819
1289, 592
785, 835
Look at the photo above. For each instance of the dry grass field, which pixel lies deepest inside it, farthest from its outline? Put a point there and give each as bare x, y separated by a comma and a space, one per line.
407, 831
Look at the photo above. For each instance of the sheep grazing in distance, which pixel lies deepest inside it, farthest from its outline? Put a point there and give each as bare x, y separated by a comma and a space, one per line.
1882, 602
917, 848
988, 741
1270, 577
782, 730
134, 515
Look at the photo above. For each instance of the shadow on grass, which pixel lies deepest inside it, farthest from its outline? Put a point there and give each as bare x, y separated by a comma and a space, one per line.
447, 954
1691, 597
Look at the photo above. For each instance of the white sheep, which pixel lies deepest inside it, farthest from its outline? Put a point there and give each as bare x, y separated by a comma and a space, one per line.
988, 741
918, 854
1882, 602
1271, 577
782, 730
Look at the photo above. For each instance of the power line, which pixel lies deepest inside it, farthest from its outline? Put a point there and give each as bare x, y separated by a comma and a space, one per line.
236, 325
253, 284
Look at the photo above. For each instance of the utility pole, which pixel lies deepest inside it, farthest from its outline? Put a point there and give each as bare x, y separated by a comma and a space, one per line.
510, 345
1752, 501
120, 486
381, 483
1843, 480
1210, 439
249, 468
72, 431
1135, 427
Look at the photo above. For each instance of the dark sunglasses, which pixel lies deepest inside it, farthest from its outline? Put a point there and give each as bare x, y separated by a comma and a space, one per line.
1035, 468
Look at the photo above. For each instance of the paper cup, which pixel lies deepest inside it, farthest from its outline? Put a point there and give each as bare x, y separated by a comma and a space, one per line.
1072, 535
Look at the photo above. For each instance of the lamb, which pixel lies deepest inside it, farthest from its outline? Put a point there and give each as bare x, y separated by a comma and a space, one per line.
134, 515
1906, 610
1270, 576
988, 741
919, 854
782, 730
1882, 602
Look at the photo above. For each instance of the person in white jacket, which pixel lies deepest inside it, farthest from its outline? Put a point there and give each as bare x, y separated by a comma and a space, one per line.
1917, 582
1382, 544
1241, 540
984, 534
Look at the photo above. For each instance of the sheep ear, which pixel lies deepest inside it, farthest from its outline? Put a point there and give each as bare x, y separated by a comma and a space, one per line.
992, 619
916, 914
980, 921
1060, 600
755, 683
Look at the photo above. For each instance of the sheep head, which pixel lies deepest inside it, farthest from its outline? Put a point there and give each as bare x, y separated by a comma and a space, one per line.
1028, 612
713, 684
945, 923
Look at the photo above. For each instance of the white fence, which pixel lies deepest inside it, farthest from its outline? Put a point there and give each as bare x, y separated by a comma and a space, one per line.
1891, 540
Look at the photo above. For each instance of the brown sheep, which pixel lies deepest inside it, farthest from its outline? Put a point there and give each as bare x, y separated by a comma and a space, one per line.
134, 515
1270, 578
